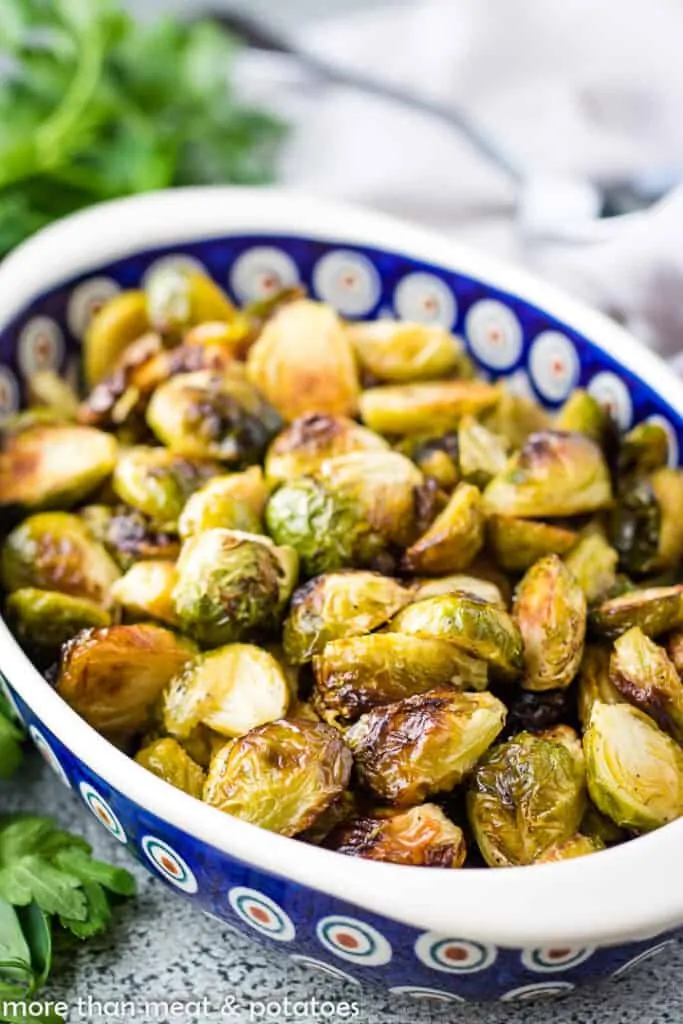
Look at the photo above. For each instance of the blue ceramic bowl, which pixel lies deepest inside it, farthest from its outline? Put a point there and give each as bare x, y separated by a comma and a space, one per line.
516, 934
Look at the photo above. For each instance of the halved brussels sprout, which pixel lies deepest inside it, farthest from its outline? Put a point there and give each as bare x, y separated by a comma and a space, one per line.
172, 763
305, 444
667, 485
146, 591
525, 796
554, 474
516, 417
422, 836
634, 770
230, 690
234, 336
340, 810
236, 501
643, 449
337, 605
328, 529
599, 827
420, 408
569, 739
281, 776
453, 539
53, 394
518, 543
231, 586
128, 535
436, 457
576, 846
212, 415
634, 526
117, 323
656, 610
475, 626
55, 551
178, 297
458, 583
113, 677
54, 465
303, 362
583, 414
158, 482
642, 671
357, 674
481, 453
46, 618
397, 350
593, 564
425, 744
595, 685
550, 611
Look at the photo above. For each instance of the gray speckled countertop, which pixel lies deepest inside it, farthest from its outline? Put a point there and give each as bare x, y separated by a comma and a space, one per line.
162, 948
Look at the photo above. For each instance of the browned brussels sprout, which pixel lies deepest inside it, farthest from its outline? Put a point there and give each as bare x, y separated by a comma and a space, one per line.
425, 744
55, 551
305, 444
515, 417
458, 583
583, 414
178, 297
303, 362
113, 677
634, 770
525, 796
400, 351
234, 502
337, 605
674, 648
158, 482
281, 776
476, 627
656, 610
425, 408
635, 526
644, 674
595, 685
436, 457
576, 846
167, 759
339, 811
550, 611
453, 539
146, 592
593, 564
643, 449
53, 465
128, 535
118, 322
52, 395
481, 453
357, 674
554, 474
422, 836
667, 486
518, 543
46, 618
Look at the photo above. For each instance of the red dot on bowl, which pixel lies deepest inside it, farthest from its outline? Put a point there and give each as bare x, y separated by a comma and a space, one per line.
261, 915
349, 280
558, 954
455, 953
347, 940
168, 864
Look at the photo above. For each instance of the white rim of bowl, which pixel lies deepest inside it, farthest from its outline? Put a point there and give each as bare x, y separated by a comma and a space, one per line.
629, 892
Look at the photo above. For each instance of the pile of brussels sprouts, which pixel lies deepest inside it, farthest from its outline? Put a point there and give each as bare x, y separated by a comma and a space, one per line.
319, 576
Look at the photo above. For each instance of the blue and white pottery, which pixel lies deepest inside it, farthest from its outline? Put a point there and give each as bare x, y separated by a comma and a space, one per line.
516, 934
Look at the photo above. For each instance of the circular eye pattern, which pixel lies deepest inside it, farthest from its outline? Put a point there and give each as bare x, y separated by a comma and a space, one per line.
9, 393
554, 365
494, 334
323, 968
48, 755
544, 990
85, 300
41, 345
354, 941
645, 955
98, 806
348, 281
433, 995
672, 437
426, 299
169, 864
6, 692
551, 958
518, 383
174, 261
261, 913
455, 956
611, 392
262, 272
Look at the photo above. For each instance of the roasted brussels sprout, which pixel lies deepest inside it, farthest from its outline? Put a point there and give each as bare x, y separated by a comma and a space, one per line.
305, 444
281, 776
337, 605
656, 610
667, 486
113, 677
674, 648
53, 465
303, 362
644, 674
356, 674
231, 586
146, 591
128, 535
400, 351
569, 739
599, 827
643, 449
481, 453
167, 759
159, 482
634, 770
583, 414
52, 394
515, 417
458, 583
425, 744
178, 297
593, 564
230, 690
339, 811
554, 474
46, 618
422, 836
634, 527
234, 502
436, 457
518, 543
550, 611
475, 626
419, 408
55, 551
117, 323
576, 846
595, 685
525, 796
453, 539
